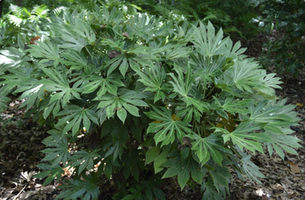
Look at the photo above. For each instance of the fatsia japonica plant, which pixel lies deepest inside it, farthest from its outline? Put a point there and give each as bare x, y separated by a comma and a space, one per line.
134, 101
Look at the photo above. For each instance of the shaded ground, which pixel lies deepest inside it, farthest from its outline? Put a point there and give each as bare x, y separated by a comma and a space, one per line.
284, 179
20, 145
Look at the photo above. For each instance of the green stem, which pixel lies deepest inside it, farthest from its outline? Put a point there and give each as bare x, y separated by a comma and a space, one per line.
88, 51
210, 91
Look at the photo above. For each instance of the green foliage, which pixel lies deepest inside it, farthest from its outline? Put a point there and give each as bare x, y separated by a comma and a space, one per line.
49, 4
3, 99
19, 25
284, 22
77, 188
134, 100
145, 190
281, 21
235, 17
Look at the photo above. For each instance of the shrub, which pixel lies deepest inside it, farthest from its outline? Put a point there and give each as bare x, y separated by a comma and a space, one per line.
136, 100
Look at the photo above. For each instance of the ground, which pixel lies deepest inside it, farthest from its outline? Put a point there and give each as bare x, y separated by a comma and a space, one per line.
20, 145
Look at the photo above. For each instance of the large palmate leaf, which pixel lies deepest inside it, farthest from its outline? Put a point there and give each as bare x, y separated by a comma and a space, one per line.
47, 50
70, 39
240, 75
23, 81
188, 113
51, 172
220, 175
231, 105
184, 168
72, 42
87, 189
131, 56
210, 191
250, 168
109, 84
114, 17
82, 28
245, 136
235, 51
268, 83
153, 78
167, 126
74, 117
84, 160
175, 51
282, 142
74, 59
33, 94
59, 85
23, 78
183, 84
59, 154
141, 25
209, 147
208, 67
11, 58
125, 100
207, 43
273, 114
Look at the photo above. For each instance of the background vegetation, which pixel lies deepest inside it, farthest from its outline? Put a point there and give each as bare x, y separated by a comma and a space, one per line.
270, 19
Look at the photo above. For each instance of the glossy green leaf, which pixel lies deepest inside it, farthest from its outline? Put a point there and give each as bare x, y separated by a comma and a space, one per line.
165, 127
183, 177
122, 114
151, 154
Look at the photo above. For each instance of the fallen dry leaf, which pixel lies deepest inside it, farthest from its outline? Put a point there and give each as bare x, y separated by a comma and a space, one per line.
294, 167
299, 104
125, 34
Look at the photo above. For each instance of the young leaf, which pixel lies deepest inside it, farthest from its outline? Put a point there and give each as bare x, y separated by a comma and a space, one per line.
165, 126
209, 146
